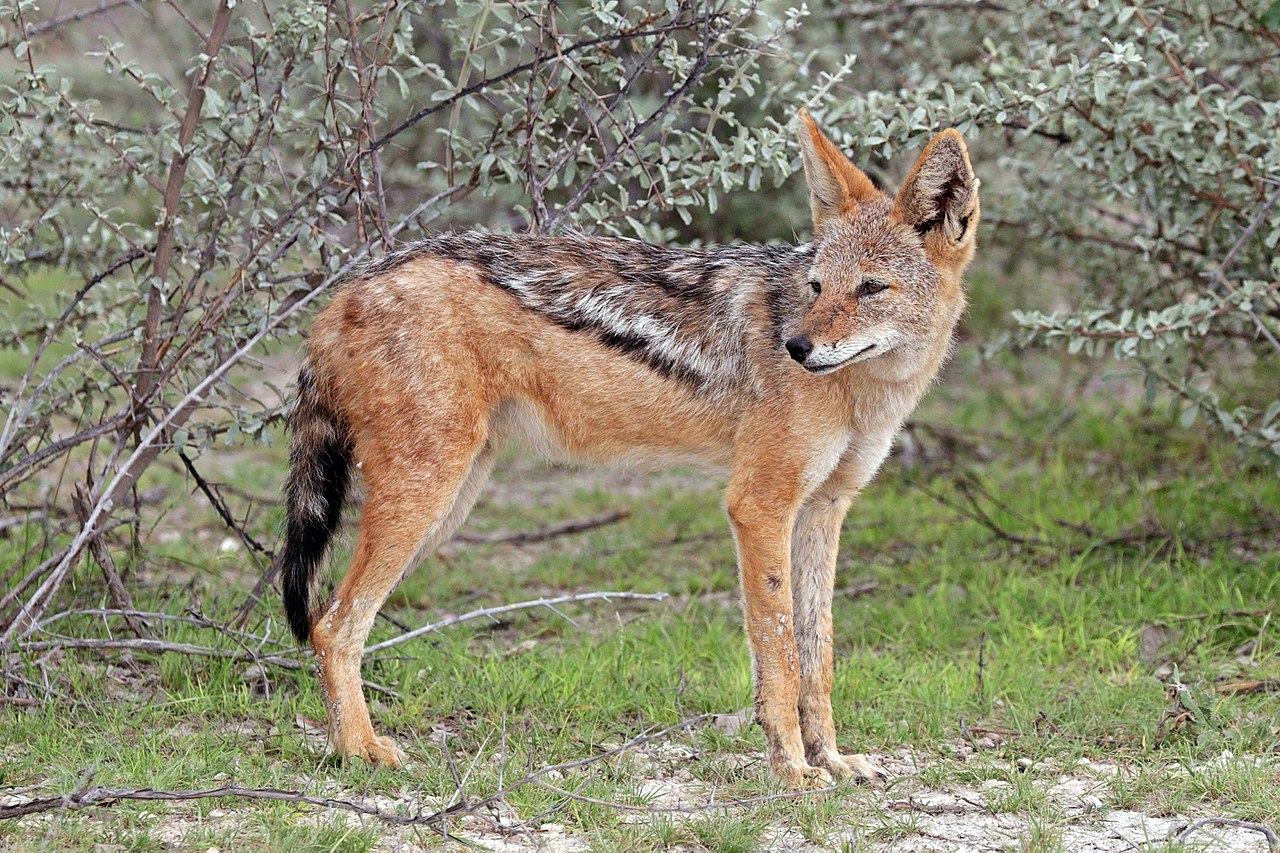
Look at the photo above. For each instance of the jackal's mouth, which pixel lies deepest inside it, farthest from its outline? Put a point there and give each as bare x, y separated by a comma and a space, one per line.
824, 369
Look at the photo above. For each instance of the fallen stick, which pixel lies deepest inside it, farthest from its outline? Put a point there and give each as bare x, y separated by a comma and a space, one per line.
1252, 685
508, 608
101, 796
1273, 840
148, 645
545, 532
276, 659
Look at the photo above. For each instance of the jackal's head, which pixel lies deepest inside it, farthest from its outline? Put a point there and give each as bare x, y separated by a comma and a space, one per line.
886, 274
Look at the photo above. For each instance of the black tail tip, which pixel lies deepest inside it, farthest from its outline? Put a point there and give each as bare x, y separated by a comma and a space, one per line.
297, 601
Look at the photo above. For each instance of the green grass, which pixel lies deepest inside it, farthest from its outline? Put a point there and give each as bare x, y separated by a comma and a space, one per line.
1008, 595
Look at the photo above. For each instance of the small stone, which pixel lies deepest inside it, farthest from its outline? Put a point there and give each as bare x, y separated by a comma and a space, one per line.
731, 724
1091, 803
1024, 763
521, 648
553, 827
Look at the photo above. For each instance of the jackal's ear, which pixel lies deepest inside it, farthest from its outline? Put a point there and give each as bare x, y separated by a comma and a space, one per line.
939, 199
836, 186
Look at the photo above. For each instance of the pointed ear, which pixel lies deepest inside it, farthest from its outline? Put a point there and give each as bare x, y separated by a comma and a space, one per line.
836, 186
939, 199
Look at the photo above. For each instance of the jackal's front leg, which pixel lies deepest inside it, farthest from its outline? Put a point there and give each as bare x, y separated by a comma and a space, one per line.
762, 525
814, 548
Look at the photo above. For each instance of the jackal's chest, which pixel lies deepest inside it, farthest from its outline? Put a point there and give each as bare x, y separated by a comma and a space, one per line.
849, 457
825, 456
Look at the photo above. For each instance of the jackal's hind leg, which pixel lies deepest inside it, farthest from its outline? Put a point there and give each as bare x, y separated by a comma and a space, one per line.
815, 543
406, 512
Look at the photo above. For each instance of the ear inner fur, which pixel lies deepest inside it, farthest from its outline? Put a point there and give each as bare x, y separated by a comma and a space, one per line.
939, 198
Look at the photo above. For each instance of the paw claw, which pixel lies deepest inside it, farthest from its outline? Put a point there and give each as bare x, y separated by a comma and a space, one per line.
860, 768
853, 767
803, 777
377, 751
383, 752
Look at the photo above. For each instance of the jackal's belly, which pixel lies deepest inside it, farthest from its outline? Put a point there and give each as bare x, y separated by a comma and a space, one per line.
615, 432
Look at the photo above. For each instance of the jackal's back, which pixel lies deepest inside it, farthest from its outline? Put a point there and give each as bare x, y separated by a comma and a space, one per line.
689, 314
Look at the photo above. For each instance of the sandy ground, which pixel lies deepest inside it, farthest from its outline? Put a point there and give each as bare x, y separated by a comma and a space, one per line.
904, 815
955, 818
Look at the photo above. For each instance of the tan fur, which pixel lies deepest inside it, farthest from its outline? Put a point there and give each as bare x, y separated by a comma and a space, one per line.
428, 367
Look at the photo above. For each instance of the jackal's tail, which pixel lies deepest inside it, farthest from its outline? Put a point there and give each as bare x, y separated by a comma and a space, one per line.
319, 468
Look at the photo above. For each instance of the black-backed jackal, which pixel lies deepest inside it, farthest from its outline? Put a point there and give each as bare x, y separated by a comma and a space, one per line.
791, 368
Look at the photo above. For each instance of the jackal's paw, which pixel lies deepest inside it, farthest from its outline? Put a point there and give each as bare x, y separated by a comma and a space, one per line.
802, 777
378, 751
853, 767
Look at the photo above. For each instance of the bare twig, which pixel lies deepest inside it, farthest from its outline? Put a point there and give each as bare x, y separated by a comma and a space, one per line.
880, 10
489, 612
979, 673
1252, 685
163, 256
544, 532
102, 556
17, 415
153, 616
73, 17
220, 506
100, 796
162, 646
1273, 840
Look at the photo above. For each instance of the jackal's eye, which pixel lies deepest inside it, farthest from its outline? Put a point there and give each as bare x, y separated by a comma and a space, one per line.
871, 287
815, 286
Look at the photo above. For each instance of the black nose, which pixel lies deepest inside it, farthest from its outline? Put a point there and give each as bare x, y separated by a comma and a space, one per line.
800, 347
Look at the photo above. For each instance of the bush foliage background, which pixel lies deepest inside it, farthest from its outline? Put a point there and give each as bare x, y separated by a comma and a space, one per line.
198, 176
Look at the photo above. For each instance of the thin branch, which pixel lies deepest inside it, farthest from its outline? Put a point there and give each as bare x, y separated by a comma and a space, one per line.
17, 416
149, 365
544, 532
629, 136
73, 17
1273, 840
484, 612
100, 796
102, 556
881, 10
1253, 685
162, 646
109, 612
514, 71
220, 506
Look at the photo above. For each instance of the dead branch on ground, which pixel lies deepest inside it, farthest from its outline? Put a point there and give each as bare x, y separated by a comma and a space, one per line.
544, 532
